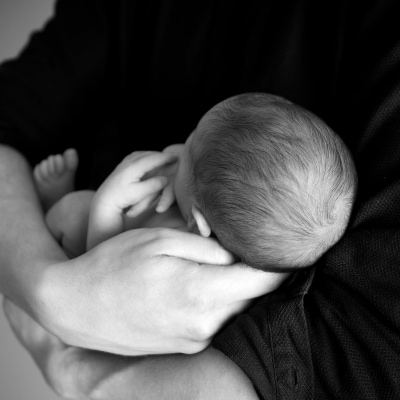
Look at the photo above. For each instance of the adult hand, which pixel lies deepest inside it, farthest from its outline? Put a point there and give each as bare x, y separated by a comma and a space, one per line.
149, 291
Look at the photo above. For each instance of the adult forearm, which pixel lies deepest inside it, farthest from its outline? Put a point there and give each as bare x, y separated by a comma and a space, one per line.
26, 246
78, 373
204, 376
137, 293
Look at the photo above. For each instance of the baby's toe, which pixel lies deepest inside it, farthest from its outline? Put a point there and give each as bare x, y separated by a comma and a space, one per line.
59, 164
44, 169
51, 166
71, 159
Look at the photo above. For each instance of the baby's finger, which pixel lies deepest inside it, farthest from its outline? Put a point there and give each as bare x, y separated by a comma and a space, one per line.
136, 168
145, 204
167, 198
176, 149
138, 191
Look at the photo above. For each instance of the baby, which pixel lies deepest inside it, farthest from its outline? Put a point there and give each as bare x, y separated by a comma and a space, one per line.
270, 180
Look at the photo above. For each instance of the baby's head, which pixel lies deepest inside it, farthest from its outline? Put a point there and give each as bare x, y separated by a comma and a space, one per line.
269, 179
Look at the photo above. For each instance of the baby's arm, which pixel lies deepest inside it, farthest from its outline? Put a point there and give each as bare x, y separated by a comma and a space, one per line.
127, 191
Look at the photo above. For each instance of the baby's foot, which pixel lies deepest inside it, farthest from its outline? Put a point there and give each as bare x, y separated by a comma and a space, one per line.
55, 177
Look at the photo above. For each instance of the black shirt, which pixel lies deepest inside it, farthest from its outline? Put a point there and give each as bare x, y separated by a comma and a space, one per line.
111, 77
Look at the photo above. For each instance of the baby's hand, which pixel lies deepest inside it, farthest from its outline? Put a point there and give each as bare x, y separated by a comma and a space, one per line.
133, 186
168, 193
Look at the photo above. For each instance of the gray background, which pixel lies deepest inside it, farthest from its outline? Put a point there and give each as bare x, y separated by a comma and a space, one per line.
19, 377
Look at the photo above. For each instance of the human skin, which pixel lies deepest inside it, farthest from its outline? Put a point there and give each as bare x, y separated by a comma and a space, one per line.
79, 374
112, 297
127, 188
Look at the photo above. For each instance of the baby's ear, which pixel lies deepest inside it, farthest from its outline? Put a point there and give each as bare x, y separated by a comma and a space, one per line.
201, 222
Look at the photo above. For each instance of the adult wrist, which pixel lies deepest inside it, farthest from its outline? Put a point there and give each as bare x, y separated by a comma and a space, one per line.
67, 307
54, 298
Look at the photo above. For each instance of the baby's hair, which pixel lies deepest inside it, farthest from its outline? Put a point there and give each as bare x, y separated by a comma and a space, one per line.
275, 183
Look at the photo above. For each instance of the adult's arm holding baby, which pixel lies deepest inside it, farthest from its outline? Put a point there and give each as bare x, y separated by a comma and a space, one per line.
77, 373
24, 237
71, 298
134, 294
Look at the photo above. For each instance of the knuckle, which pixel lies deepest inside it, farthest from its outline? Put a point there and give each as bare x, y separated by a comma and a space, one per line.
203, 302
156, 241
162, 237
202, 331
195, 347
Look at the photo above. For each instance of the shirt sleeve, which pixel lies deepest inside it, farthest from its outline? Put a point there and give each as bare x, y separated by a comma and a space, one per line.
51, 94
339, 336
